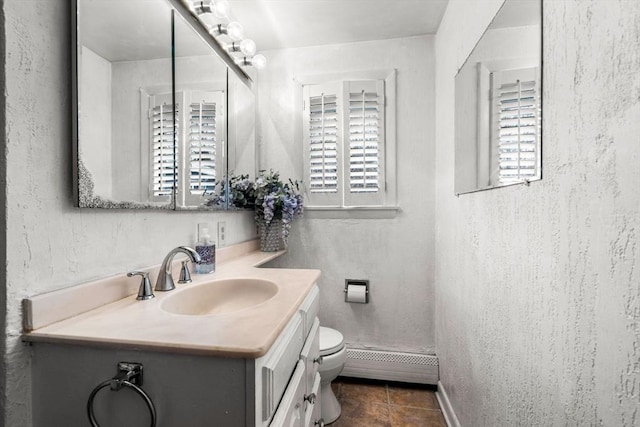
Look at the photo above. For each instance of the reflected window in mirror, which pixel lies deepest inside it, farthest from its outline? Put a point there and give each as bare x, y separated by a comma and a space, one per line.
516, 124
349, 141
200, 145
498, 140
194, 173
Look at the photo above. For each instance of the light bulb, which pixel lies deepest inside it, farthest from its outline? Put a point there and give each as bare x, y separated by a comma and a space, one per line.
235, 31
259, 61
221, 8
248, 47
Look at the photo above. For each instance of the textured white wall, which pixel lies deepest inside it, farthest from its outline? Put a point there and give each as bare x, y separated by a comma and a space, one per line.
538, 295
396, 254
49, 243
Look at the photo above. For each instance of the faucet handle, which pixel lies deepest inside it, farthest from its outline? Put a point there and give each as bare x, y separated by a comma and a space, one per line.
145, 291
185, 276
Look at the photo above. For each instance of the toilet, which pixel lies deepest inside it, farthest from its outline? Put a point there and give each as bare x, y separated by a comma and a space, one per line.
334, 355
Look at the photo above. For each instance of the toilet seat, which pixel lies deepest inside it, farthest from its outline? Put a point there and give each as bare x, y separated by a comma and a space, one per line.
331, 341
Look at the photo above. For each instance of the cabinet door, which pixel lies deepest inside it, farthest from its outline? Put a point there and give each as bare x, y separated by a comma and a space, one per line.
290, 412
310, 355
279, 364
313, 412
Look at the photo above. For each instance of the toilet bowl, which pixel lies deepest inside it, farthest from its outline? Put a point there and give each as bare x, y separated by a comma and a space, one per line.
334, 355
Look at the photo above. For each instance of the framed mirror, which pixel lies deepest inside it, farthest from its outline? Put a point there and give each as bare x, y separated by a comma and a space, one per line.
132, 149
123, 48
498, 108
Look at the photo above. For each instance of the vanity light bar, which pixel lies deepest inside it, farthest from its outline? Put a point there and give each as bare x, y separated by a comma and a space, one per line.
233, 30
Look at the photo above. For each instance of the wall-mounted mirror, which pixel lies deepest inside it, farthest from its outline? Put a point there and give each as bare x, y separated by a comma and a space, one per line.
125, 155
498, 102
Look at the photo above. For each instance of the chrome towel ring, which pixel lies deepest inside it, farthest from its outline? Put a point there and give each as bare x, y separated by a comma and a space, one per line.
129, 375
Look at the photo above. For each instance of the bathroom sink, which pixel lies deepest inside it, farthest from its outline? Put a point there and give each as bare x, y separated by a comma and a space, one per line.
219, 297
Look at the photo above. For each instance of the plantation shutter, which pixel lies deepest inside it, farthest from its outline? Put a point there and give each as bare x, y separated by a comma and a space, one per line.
365, 142
203, 141
517, 110
323, 144
163, 172
202, 146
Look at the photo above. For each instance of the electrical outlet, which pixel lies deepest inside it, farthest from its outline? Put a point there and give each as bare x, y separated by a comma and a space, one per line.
222, 233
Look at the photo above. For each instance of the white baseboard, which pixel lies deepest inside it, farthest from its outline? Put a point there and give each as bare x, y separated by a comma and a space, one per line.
445, 405
391, 366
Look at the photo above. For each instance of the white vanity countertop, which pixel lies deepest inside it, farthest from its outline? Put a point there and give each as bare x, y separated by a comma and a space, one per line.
129, 323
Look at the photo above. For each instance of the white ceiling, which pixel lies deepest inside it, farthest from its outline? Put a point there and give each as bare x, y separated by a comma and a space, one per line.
121, 30
518, 13
277, 24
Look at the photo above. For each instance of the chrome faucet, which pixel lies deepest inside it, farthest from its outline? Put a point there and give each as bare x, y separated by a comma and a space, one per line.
145, 291
165, 279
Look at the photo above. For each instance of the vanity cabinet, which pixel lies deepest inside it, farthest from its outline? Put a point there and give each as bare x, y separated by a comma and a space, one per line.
280, 388
286, 376
300, 403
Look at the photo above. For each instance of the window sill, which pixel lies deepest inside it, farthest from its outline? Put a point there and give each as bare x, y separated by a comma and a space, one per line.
363, 212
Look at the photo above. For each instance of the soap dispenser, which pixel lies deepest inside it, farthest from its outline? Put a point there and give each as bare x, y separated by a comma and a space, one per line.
207, 251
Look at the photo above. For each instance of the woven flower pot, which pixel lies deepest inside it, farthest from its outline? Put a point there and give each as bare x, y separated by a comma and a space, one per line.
270, 236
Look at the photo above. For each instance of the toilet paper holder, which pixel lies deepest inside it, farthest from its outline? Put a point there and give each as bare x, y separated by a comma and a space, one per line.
356, 282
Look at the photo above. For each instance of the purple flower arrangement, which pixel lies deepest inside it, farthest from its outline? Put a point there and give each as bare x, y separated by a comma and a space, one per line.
277, 201
270, 198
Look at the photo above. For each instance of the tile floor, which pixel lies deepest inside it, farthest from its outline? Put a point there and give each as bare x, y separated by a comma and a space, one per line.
368, 403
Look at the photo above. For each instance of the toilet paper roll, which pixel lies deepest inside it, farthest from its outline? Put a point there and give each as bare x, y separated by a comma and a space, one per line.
357, 293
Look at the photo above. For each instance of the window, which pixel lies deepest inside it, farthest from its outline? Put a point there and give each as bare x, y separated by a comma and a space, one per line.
196, 170
349, 147
516, 124
200, 150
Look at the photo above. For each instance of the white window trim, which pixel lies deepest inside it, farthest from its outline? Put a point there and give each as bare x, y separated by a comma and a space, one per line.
389, 206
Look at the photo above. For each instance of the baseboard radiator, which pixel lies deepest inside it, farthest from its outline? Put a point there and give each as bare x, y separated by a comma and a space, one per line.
391, 366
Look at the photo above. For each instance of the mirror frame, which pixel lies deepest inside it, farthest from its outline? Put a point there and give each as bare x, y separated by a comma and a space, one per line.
80, 177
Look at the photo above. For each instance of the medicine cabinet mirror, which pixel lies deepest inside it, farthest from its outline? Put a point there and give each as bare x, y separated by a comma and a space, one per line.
124, 149
498, 106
